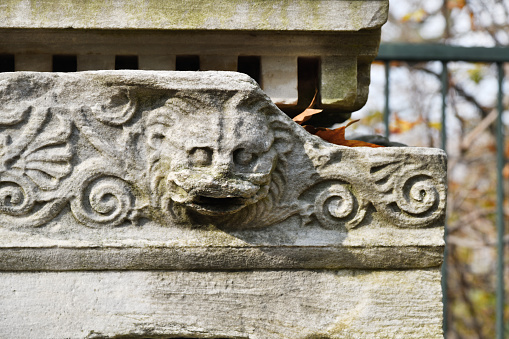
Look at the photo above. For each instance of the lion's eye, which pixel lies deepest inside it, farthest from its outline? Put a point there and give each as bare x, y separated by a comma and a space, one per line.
201, 156
156, 139
243, 157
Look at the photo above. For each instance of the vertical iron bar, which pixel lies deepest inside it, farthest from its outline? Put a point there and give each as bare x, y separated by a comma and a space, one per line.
445, 89
386, 92
500, 208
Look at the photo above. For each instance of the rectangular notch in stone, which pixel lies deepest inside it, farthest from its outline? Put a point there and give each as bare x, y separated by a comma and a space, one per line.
157, 62
249, 65
6, 62
338, 81
218, 62
126, 62
308, 70
33, 62
94, 62
65, 63
187, 63
308, 75
279, 79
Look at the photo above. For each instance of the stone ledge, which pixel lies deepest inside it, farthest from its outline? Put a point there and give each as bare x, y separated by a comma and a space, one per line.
254, 15
214, 258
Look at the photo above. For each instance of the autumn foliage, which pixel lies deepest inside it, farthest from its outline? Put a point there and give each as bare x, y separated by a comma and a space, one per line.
334, 136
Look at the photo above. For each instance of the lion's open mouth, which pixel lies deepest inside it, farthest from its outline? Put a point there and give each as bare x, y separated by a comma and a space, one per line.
217, 206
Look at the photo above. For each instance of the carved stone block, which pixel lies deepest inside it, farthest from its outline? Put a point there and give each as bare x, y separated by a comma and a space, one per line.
216, 33
139, 170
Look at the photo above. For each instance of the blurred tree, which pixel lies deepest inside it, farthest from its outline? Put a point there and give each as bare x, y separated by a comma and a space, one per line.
471, 114
461, 22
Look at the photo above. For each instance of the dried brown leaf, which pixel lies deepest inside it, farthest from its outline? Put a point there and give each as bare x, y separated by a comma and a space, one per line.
308, 112
306, 115
337, 136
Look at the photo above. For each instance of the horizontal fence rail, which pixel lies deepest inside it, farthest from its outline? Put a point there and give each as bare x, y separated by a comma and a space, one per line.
444, 54
435, 52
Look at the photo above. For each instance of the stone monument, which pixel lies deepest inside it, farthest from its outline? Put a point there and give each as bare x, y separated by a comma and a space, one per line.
185, 204
172, 204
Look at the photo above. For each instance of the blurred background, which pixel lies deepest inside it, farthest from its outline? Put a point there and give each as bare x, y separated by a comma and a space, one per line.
471, 118
441, 80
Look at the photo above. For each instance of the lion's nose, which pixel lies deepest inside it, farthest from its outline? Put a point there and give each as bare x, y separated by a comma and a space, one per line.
223, 171
223, 165
225, 188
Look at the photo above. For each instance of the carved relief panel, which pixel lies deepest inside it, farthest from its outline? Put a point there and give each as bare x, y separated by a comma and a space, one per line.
192, 150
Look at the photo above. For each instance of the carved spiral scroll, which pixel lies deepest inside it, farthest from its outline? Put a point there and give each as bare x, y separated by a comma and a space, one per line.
119, 110
16, 195
419, 200
338, 206
417, 195
19, 207
103, 201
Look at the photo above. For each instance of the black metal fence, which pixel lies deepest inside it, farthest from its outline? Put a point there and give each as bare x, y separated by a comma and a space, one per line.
445, 54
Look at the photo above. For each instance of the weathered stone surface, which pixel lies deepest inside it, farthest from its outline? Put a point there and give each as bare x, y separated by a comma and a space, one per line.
176, 170
142, 204
343, 89
257, 305
300, 15
216, 31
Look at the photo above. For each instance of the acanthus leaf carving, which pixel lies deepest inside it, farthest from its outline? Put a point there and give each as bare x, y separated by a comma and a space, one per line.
35, 157
47, 159
15, 140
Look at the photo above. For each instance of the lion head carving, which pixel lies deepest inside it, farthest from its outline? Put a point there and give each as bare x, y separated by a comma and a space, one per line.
216, 158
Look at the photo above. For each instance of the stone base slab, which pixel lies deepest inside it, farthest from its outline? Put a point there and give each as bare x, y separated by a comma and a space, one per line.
257, 304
